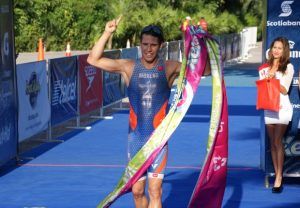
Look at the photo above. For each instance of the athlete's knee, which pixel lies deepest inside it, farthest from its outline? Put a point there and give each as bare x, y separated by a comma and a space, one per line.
138, 192
155, 192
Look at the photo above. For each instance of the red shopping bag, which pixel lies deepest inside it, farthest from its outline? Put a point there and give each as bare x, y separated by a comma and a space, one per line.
268, 94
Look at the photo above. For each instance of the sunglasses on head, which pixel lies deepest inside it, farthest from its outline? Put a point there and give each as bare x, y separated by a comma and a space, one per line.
152, 28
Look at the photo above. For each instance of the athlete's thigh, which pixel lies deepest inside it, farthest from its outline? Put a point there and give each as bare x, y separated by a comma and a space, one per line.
157, 168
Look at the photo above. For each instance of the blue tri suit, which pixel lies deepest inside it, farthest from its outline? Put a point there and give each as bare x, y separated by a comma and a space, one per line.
148, 94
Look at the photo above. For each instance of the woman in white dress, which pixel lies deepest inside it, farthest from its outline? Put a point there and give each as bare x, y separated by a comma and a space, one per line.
278, 66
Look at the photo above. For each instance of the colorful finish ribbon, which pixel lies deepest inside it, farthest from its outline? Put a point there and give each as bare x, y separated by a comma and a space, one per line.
210, 187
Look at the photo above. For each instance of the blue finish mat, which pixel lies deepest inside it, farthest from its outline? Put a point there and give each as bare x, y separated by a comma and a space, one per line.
81, 171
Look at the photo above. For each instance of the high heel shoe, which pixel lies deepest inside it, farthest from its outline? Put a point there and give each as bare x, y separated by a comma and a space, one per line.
277, 190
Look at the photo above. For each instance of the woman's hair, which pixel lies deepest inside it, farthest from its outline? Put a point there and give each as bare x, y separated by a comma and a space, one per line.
285, 58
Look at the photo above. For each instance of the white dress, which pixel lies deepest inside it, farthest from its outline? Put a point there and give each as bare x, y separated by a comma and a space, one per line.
284, 116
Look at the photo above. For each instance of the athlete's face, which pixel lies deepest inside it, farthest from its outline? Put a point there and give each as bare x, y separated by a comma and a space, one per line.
150, 47
277, 50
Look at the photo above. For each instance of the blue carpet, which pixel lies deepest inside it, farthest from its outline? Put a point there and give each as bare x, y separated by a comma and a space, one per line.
85, 168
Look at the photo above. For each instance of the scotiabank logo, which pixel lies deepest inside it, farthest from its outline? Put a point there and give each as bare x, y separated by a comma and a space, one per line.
286, 8
286, 11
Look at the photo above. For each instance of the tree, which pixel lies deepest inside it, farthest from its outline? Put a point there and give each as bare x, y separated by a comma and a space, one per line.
82, 21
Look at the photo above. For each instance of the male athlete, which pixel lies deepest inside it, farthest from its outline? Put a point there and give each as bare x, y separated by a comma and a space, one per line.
148, 80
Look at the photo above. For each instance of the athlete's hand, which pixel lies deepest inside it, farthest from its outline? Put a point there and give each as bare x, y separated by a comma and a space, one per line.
112, 25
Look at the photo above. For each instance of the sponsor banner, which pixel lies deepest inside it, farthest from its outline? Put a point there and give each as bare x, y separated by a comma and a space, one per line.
112, 91
34, 105
284, 20
8, 102
90, 86
173, 50
63, 91
129, 53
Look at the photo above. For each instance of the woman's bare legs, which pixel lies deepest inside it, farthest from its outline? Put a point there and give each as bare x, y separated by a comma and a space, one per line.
276, 132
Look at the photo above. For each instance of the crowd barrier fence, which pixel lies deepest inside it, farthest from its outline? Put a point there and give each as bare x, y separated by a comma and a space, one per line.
80, 94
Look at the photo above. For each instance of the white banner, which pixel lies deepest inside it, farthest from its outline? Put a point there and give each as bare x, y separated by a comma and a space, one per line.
34, 104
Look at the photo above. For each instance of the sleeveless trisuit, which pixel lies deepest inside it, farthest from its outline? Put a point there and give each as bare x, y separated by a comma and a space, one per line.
148, 94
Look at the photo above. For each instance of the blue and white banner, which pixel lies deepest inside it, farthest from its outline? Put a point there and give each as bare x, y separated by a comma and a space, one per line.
64, 96
283, 19
112, 91
112, 82
8, 101
34, 105
129, 53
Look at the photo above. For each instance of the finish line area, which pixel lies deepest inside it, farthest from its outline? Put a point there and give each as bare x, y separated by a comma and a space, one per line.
83, 169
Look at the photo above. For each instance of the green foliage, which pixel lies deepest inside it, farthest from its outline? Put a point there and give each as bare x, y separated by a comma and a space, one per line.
82, 21
229, 24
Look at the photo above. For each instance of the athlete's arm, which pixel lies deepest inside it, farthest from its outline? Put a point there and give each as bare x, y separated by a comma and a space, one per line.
172, 71
96, 58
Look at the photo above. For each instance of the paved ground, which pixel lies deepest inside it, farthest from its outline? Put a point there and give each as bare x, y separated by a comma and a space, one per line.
32, 57
241, 73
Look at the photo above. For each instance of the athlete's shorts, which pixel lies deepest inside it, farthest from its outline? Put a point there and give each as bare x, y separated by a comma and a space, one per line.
157, 168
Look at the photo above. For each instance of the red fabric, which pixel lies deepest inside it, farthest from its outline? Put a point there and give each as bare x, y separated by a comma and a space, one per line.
265, 65
90, 86
268, 94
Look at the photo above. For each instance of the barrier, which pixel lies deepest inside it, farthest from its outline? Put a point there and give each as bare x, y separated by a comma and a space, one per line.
80, 94
8, 99
34, 110
90, 86
248, 40
63, 89
252, 36
111, 82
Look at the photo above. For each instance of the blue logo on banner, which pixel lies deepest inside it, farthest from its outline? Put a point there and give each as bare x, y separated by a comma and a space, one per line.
8, 121
64, 91
33, 88
286, 9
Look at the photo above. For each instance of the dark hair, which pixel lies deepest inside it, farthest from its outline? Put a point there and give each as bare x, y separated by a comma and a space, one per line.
285, 58
153, 30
